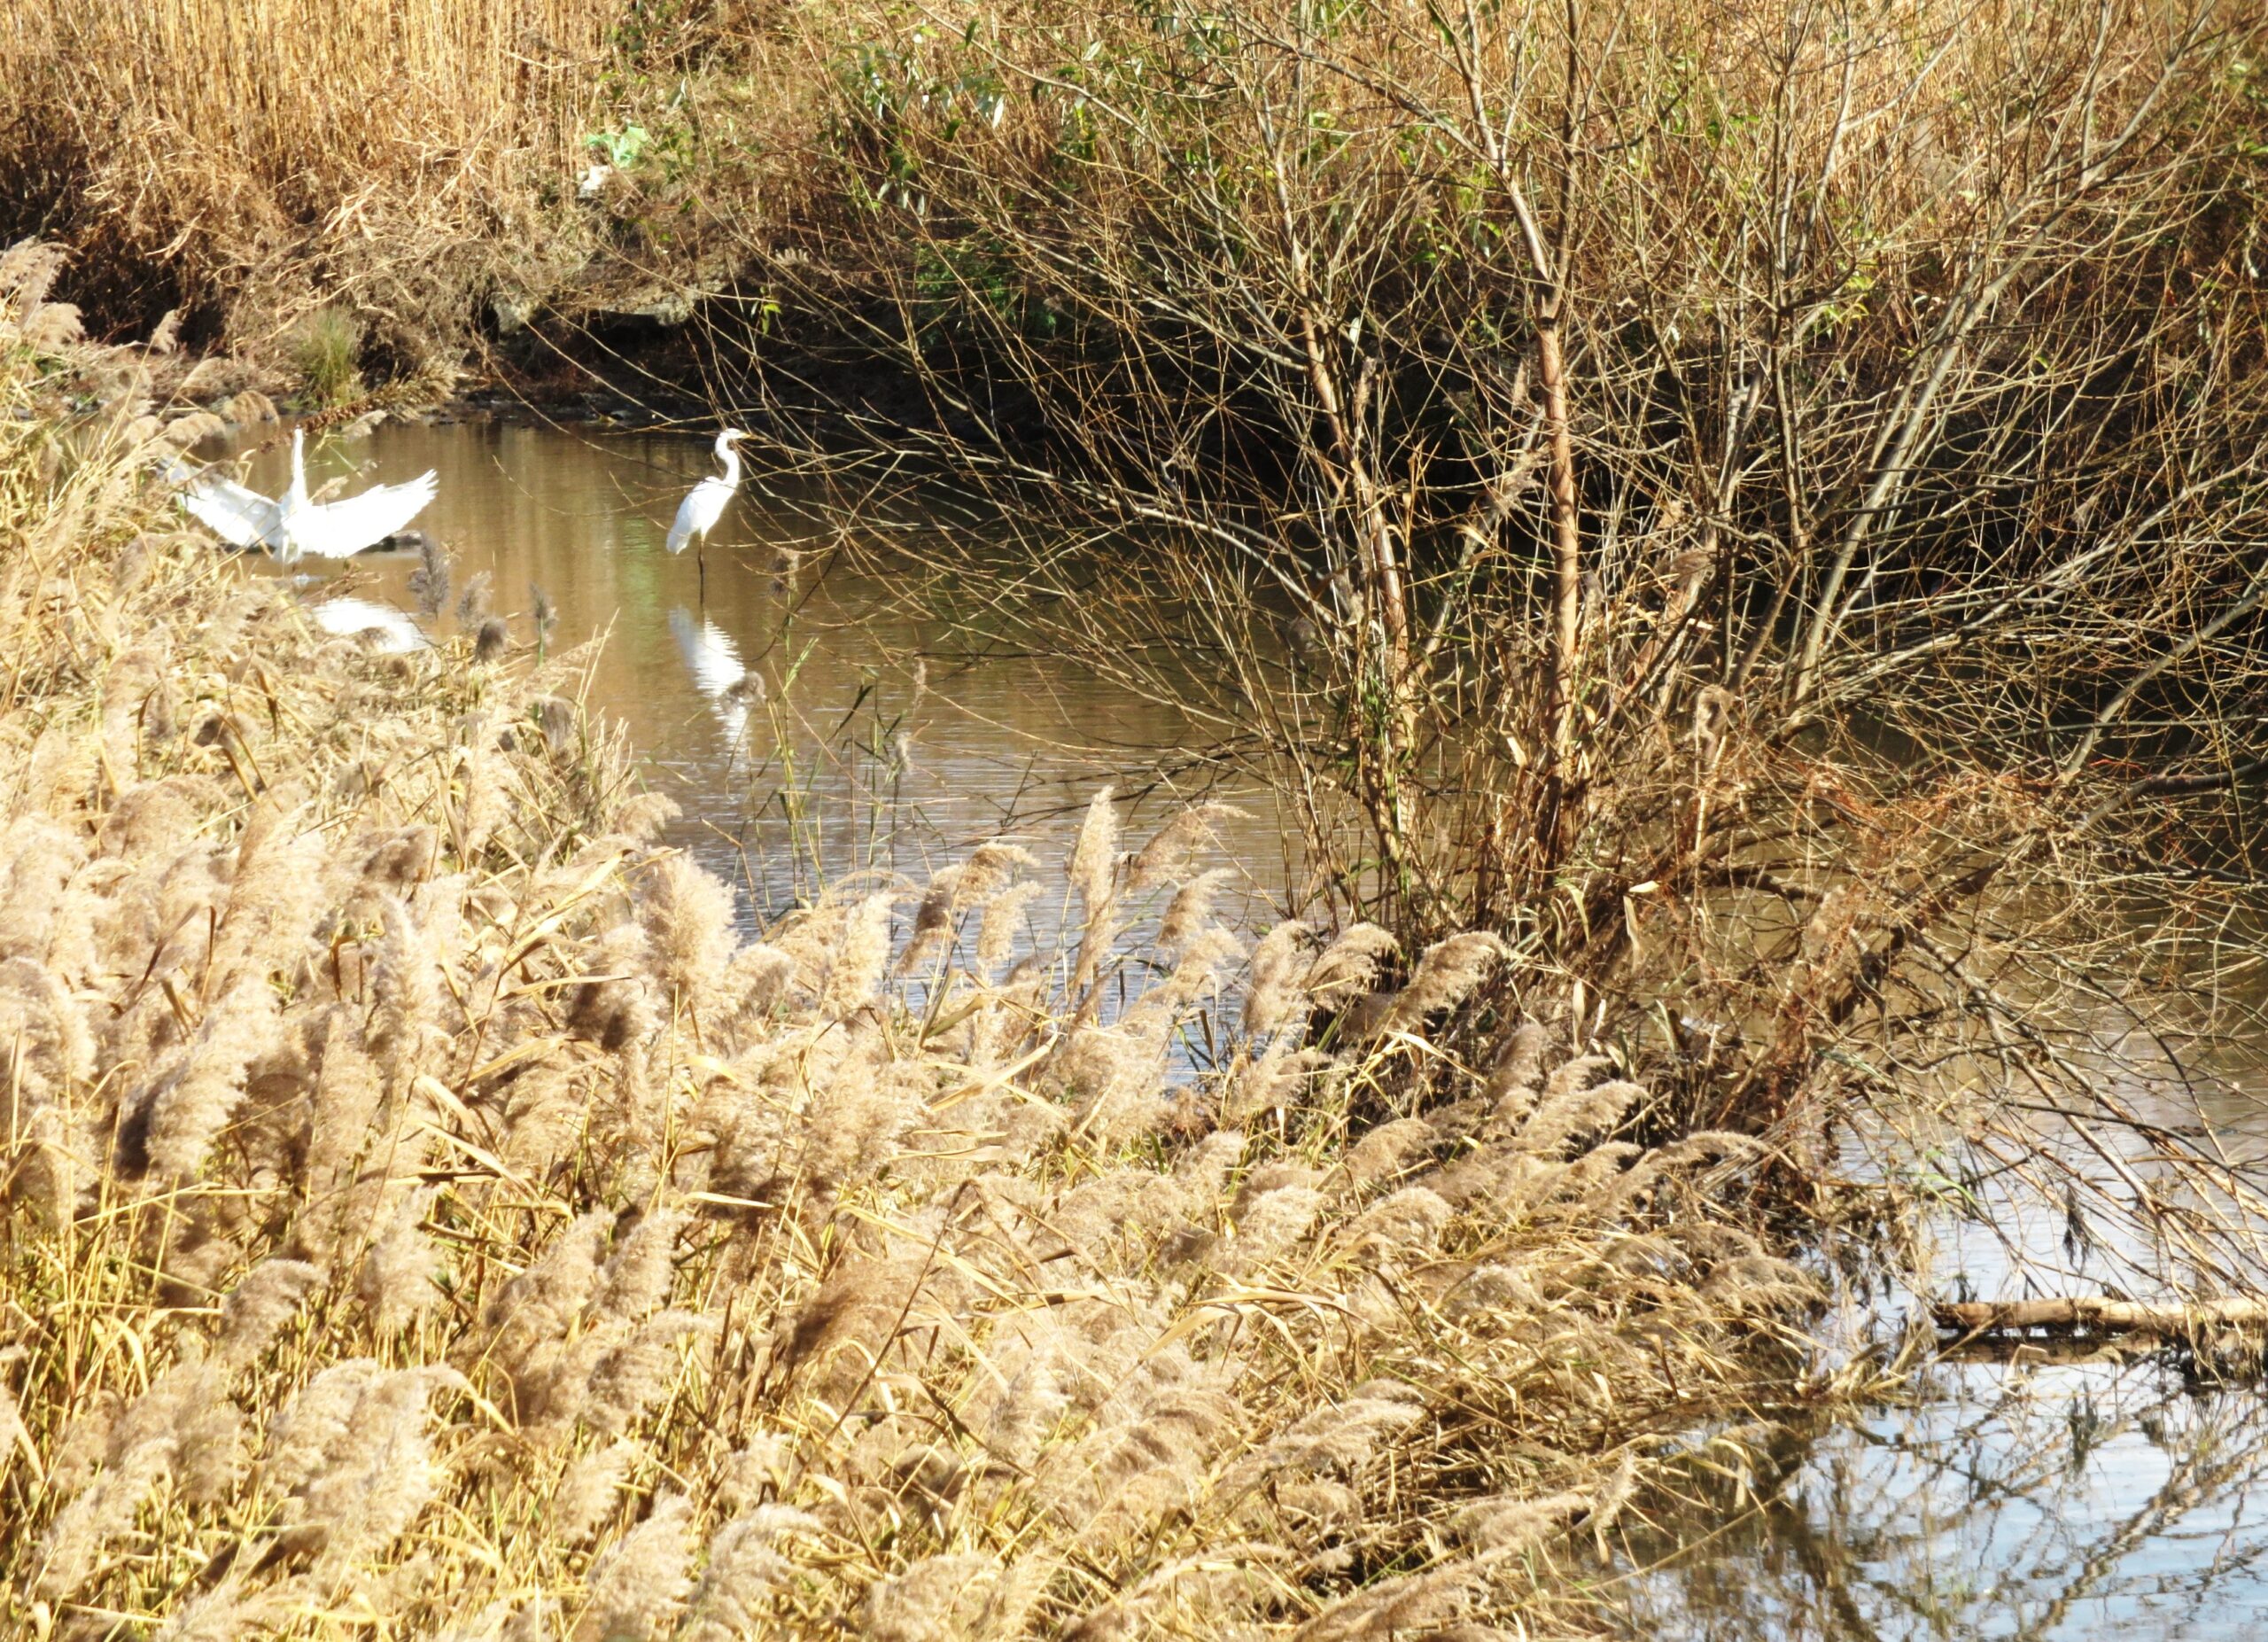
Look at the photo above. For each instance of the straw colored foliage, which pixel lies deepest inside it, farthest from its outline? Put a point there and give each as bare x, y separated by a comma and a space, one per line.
231, 151
430, 1210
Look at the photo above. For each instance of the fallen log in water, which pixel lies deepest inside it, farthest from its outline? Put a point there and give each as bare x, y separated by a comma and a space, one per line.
2094, 1312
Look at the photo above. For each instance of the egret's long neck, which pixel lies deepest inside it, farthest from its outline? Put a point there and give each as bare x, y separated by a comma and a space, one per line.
291, 513
729, 453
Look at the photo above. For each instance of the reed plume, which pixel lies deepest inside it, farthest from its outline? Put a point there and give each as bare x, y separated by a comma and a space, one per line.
587, 1265
640, 1585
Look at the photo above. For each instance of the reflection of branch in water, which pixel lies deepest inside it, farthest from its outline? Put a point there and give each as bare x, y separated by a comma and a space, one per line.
1825, 1565
1986, 1519
2194, 1481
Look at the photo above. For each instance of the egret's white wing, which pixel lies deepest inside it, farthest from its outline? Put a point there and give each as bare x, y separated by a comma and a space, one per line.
235, 515
702, 507
681, 527
349, 616
338, 530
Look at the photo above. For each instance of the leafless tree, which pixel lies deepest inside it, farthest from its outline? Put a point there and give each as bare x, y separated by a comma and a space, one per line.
1763, 507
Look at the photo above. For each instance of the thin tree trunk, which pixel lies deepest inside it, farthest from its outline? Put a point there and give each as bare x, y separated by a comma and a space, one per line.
1567, 541
1375, 536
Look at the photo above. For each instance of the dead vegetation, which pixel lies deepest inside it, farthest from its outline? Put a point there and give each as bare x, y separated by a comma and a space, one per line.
1744, 536
1763, 513
434, 172
428, 1211
251, 166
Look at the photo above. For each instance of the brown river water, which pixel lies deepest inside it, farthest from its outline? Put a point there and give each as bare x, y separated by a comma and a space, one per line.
872, 738
2053, 1500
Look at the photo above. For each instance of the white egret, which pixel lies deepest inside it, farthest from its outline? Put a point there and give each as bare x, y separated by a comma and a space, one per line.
292, 525
705, 505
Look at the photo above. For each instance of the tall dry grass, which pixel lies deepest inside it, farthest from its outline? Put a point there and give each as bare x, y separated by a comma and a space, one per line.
428, 1213
248, 161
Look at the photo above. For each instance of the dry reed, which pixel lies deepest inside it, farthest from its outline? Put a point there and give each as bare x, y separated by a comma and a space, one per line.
428, 1211
277, 177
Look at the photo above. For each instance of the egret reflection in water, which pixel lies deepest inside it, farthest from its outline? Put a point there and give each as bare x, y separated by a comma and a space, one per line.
718, 673
352, 618
2076, 1509
1016, 742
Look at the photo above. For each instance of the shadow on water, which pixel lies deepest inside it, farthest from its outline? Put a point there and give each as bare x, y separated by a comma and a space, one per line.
813, 723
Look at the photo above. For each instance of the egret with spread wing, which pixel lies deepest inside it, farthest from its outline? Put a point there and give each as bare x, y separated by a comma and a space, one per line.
292, 525
705, 505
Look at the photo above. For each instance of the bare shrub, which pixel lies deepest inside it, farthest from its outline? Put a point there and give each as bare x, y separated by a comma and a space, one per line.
1754, 560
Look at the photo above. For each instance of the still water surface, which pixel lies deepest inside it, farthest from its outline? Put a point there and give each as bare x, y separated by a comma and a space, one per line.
869, 734
2065, 1501
2059, 1502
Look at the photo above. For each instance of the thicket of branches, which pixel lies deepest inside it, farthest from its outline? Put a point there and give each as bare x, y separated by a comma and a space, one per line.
1759, 514
1764, 509
1566, 387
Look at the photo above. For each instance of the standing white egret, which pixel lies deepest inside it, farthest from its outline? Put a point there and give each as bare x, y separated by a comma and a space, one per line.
292, 525
705, 505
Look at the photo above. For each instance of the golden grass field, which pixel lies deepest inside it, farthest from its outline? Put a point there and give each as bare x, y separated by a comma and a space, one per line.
252, 164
